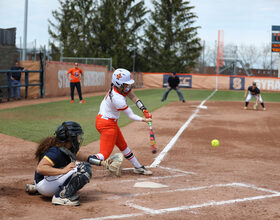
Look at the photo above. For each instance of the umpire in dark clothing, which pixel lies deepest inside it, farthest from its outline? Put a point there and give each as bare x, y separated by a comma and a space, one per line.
173, 82
15, 80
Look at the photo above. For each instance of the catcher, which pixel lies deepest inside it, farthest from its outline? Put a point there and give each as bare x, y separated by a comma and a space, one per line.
109, 113
253, 91
57, 173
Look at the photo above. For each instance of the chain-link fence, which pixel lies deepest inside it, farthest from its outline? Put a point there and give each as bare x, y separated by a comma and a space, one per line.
88, 60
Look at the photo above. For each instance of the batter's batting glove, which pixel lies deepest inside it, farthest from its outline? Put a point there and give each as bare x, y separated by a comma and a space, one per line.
147, 114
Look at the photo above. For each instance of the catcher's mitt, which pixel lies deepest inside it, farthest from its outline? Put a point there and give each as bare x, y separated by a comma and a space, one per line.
114, 164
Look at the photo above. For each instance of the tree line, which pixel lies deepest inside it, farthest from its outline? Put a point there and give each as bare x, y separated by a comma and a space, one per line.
161, 39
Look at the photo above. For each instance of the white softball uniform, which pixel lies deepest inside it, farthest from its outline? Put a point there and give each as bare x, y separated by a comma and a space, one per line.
49, 186
111, 107
250, 96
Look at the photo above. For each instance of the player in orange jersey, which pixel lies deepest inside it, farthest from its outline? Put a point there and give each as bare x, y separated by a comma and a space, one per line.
109, 113
75, 76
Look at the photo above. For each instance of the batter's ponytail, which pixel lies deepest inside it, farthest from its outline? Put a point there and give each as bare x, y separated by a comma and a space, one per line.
110, 92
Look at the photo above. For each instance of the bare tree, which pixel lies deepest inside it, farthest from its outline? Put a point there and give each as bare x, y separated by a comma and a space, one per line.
268, 60
210, 55
250, 55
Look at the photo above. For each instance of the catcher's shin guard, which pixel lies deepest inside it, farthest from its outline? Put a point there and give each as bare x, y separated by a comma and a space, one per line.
76, 181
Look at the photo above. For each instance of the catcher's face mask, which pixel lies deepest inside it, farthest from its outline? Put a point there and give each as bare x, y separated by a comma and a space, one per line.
77, 142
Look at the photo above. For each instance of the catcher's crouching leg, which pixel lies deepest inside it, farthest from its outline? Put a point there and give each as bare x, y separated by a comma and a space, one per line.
66, 196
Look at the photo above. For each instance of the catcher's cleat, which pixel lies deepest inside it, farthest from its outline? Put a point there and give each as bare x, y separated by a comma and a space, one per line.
65, 201
142, 170
31, 189
245, 108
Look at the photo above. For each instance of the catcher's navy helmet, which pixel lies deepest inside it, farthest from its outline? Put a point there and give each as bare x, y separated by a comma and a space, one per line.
70, 131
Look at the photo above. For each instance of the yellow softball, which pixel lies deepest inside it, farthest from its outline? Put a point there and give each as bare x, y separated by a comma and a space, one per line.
215, 143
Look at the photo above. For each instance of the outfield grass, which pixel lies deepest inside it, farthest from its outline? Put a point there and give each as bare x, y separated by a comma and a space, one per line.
35, 122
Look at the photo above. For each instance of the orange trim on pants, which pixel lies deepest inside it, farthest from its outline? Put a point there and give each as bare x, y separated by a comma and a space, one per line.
110, 135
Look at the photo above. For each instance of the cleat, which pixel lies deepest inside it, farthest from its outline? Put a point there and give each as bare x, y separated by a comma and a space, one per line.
245, 108
31, 189
264, 109
72, 101
183, 101
142, 170
65, 201
75, 197
82, 102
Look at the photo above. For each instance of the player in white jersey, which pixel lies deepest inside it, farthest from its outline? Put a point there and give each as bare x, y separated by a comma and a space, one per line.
109, 113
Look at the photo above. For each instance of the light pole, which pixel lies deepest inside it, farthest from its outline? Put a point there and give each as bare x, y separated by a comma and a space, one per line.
25, 29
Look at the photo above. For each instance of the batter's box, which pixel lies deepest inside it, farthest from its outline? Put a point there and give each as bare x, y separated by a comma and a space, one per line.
199, 197
192, 198
159, 173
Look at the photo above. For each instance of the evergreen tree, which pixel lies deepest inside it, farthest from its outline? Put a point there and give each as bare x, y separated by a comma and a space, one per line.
72, 27
117, 23
171, 42
105, 28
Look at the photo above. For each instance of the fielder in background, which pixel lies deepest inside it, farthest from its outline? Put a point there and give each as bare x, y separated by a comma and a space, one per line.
75, 78
173, 82
109, 113
57, 173
253, 91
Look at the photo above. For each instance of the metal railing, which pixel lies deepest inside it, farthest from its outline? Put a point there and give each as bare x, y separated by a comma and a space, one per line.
26, 84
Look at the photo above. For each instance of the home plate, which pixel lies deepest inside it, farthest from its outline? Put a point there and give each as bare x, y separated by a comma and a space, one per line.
149, 185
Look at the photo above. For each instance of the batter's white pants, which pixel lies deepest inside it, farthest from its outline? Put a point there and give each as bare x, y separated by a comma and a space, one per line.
49, 186
250, 96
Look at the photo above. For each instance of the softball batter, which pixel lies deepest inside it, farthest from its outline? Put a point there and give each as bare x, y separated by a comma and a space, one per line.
253, 91
109, 113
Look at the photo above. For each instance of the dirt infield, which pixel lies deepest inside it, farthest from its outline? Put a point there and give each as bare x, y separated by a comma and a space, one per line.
237, 180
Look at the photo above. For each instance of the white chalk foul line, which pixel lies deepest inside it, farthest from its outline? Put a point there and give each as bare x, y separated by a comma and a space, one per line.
201, 188
116, 216
153, 177
162, 154
181, 208
146, 210
177, 170
212, 203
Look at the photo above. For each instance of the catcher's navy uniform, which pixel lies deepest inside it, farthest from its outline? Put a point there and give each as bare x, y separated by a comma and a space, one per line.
57, 159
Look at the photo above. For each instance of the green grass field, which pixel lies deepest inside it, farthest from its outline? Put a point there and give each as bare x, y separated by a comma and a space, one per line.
35, 122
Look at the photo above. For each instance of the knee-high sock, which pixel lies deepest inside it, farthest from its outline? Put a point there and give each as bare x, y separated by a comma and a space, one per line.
131, 157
